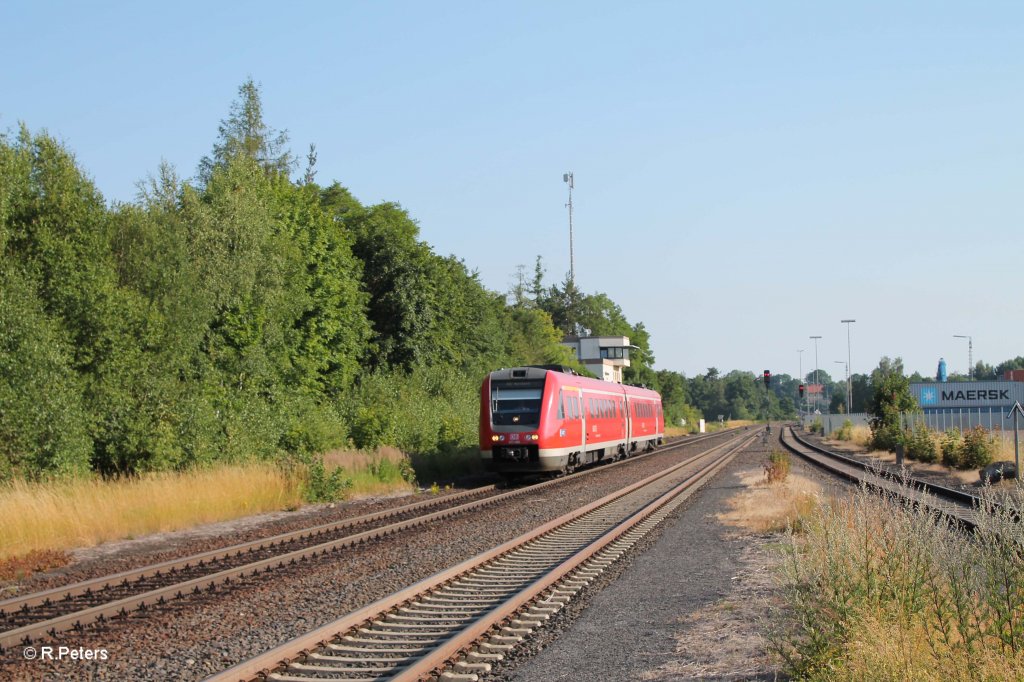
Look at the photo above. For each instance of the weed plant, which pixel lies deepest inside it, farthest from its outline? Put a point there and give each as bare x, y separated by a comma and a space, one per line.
877, 588
845, 432
776, 469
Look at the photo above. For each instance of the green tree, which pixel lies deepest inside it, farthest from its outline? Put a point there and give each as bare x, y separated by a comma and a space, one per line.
890, 398
244, 133
565, 304
43, 423
535, 341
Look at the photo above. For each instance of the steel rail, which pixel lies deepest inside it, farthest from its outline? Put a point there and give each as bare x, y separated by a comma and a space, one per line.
151, 597
281, 656
960, 507
64, 592
932, 488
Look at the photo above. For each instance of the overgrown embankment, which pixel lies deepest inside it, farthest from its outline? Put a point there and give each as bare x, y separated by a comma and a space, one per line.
881, 589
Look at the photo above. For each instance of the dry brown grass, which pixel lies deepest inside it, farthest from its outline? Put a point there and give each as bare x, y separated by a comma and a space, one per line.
766, 508
861, 435
80, 513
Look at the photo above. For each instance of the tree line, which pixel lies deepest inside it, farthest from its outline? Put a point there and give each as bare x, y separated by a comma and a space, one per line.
245, 314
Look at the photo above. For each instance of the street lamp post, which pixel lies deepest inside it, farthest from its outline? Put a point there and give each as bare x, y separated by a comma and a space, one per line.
849, 377
844, 362
800, 354
815, 361
970, 353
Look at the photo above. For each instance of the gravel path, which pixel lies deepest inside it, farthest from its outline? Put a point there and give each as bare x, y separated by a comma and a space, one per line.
689, 603
201, 635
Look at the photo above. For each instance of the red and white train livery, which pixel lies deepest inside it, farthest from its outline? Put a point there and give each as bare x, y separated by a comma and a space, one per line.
548, 419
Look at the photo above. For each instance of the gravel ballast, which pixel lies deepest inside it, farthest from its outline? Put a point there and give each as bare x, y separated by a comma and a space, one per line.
203, 634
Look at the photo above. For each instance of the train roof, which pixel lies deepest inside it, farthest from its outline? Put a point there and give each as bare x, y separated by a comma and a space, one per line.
565, 375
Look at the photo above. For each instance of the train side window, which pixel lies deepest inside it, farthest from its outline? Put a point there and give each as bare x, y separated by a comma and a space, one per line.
561, 405
574, 401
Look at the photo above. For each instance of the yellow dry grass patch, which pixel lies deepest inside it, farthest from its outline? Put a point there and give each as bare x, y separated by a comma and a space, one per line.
880, 649
771, 508
357, 460
86, 512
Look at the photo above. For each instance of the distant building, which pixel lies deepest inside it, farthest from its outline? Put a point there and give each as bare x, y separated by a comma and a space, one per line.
605, 356
1013, 375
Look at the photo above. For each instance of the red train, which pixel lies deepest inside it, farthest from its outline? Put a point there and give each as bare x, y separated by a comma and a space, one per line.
549, 419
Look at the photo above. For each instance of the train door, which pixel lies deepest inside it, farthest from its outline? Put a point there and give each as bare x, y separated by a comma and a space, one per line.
574, 423
629, 424
584, 427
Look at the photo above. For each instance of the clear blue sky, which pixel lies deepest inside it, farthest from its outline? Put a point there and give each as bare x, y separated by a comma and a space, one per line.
747, 174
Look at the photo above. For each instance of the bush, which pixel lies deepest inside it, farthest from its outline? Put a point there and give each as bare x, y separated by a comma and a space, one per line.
776, 469
979, 448
387, 469
817, 426
322, 486
886, 437
952, 446
920, 445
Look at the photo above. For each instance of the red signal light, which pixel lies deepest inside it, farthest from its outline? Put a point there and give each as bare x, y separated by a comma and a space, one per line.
801, 389
767, 377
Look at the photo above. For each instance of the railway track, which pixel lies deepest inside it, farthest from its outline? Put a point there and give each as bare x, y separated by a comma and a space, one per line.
460, 620
956, 505
29, 618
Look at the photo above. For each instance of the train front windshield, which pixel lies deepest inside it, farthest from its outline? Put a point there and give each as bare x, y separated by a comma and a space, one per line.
516, 403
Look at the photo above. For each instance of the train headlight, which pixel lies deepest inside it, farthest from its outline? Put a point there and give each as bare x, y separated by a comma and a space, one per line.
494, 438
534, 436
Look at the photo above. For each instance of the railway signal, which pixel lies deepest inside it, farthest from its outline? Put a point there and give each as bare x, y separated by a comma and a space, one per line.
767, 378
801, 389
